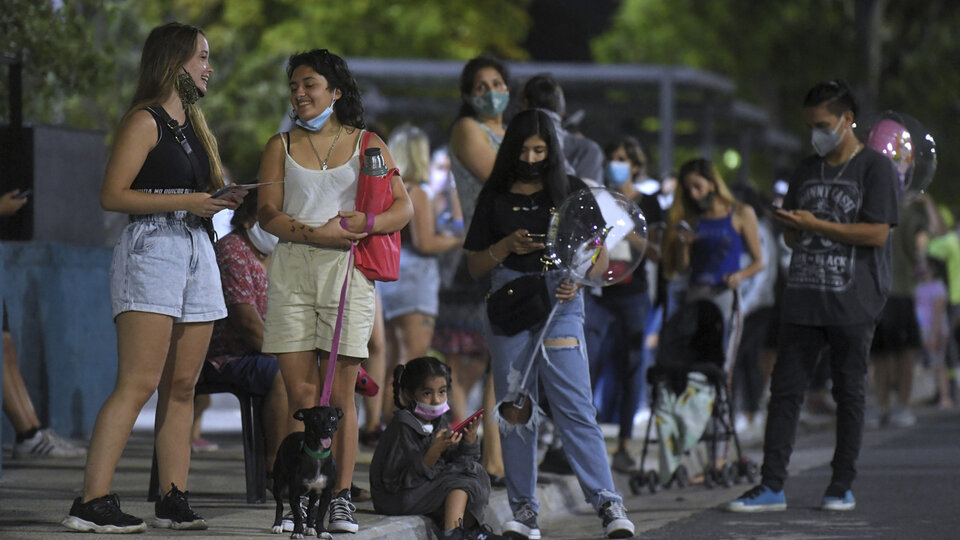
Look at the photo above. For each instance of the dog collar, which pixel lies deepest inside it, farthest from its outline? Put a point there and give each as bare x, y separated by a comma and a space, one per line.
315, 455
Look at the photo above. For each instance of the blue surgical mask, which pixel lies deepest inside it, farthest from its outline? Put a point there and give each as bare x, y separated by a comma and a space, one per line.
490, 103
317, 122
825, 140
430, 412
618, 172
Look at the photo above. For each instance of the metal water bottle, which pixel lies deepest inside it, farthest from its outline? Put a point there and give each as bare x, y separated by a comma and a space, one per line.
373, 164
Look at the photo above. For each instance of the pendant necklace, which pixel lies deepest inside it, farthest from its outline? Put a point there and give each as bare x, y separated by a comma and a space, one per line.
323, 162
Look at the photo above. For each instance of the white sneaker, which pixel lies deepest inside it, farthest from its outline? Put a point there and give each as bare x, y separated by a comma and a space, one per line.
523, 525
45, 443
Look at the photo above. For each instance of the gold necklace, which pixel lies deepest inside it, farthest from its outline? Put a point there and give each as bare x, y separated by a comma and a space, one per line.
323, 162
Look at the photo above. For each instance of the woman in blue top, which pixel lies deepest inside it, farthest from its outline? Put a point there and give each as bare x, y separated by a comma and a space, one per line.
707, 232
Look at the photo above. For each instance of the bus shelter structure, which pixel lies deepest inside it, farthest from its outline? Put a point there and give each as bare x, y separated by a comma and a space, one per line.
668, 108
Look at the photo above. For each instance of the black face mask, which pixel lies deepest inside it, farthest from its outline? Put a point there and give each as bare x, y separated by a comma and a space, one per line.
706, 202
188, 90
531, 171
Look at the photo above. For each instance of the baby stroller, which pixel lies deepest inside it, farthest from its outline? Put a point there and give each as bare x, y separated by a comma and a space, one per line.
690, 403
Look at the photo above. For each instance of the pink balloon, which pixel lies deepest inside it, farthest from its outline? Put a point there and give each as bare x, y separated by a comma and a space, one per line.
893, 140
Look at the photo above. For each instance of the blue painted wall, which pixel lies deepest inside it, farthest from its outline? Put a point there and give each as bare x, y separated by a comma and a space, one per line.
58, 302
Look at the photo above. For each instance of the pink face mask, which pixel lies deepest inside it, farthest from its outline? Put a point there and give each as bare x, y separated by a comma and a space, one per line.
430, 412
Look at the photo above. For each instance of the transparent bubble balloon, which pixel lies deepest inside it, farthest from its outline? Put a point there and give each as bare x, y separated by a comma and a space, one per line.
903, 139
597, 237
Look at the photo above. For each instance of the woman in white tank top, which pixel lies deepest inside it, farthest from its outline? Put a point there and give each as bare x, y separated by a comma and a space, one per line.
318, 163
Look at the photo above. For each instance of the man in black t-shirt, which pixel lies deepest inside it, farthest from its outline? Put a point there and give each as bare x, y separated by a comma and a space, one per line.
838, 211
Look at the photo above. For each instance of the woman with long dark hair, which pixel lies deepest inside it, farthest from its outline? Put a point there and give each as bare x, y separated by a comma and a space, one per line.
505, 243
164, 282
316, 166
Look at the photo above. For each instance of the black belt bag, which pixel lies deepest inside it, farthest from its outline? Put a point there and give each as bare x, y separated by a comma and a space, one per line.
520, 304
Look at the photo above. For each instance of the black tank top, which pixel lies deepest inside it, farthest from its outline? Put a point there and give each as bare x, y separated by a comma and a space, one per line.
167, 165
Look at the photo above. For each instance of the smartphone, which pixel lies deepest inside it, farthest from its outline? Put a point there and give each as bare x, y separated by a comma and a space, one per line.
222, 192
462, 425
774, 208
536, 236
23, 194
684, 226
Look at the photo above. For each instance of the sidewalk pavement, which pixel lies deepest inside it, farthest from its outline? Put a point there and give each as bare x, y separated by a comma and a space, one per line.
36, 495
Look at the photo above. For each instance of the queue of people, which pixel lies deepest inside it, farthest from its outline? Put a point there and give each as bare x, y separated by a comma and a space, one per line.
274, 286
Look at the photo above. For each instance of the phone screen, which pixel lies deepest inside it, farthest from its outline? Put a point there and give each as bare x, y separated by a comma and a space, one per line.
463, 424
23, 194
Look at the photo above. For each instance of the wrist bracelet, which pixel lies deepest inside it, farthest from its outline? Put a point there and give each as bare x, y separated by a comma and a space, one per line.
492, 256
369, 227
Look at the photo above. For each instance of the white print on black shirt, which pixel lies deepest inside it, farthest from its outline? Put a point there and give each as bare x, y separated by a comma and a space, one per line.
818, 262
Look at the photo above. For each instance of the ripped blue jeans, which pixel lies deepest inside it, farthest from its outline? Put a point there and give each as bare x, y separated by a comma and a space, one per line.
565, 375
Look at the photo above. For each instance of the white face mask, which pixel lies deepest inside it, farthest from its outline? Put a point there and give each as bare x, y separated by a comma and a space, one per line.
430, 412
261, 239
825, 140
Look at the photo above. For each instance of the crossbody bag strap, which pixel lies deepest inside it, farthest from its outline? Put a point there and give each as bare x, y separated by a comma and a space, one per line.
180, 136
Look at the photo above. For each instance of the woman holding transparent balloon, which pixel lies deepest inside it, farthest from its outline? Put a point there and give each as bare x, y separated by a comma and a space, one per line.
505, 244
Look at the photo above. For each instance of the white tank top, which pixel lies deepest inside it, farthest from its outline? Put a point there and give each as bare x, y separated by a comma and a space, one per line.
313, 197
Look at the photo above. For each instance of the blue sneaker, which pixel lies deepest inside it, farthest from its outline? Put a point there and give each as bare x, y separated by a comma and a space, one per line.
759, 499
841, 503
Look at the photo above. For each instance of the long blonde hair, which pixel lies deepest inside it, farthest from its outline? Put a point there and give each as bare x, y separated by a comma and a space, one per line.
165, 52
685, 208
410, 148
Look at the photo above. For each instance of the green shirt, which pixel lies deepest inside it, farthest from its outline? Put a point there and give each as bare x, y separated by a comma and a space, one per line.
947, 249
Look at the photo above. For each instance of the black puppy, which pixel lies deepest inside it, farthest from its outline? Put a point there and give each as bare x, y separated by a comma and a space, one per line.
304, 466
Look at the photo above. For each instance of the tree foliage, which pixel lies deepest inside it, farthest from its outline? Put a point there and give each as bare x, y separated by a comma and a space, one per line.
775, 51
249, 40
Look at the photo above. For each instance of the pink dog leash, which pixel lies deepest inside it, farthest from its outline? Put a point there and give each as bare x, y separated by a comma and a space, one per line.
338, 327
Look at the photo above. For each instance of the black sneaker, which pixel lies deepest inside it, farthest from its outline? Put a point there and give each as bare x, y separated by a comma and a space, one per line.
615, 521
555, 462
341, 513
174, 512
523, 525
477, 532
102, 515
483, 532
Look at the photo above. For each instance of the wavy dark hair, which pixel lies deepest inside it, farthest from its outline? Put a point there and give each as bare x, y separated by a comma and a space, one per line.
631, 146
246, 211
410, 377
349, 107
523, 126
469, 73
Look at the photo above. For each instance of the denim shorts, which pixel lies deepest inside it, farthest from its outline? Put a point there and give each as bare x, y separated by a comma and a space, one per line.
165, 263
417, 289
